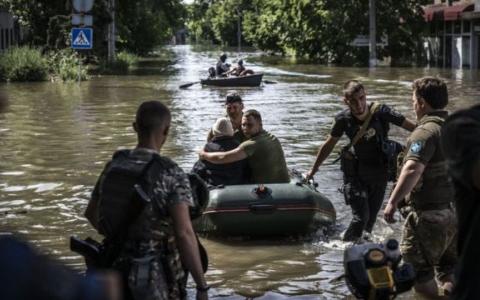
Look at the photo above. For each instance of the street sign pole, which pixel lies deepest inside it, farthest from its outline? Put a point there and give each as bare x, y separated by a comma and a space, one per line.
82, 37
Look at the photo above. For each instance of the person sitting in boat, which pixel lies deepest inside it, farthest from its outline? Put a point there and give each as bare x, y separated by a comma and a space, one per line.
211, 73
234, 111
262, 150
240, 70
222, 174
222, 66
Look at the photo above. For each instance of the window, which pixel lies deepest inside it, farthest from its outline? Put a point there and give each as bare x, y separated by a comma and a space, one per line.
457, 27
448, 27
466, 27
466, 51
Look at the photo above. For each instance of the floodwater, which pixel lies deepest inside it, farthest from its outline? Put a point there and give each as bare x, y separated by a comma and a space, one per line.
55, 138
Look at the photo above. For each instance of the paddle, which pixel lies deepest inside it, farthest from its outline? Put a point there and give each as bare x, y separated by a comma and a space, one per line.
269, 82
186, 85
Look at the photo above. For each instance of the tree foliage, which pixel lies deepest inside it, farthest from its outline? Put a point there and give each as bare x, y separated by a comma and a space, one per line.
321, 30
141, 25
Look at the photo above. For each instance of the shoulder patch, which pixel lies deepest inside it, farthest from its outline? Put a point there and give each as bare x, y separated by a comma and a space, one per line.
416, 147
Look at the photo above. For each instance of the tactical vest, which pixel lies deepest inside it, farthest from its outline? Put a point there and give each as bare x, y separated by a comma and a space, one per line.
125, 189
434, 175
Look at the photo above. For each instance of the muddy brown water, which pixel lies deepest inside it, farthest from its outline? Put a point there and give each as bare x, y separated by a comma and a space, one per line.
56, 137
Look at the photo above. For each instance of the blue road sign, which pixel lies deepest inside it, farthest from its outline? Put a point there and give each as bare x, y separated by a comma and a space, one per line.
82, 38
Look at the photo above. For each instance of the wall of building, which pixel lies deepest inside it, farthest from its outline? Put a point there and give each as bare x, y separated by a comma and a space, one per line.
9, 30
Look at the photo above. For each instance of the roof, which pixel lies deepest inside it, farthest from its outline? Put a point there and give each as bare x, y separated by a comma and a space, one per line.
444, 12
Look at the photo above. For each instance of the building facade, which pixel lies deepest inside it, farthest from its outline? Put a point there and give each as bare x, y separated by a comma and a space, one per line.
453, 38
9, 30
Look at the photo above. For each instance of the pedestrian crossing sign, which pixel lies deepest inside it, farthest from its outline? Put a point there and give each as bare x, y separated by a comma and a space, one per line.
82, 38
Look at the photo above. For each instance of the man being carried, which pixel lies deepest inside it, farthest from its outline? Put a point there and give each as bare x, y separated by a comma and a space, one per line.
365, 179
222, 174
262, 150
430, 230
141, 205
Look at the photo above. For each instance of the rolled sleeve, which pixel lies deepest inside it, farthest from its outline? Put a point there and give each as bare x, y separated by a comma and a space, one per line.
338, 127
248, 147
421, 147
390, 115
177, 187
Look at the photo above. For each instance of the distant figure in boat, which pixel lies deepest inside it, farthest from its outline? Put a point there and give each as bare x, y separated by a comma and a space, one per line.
240, 70
222, 174
222, 66
262, 150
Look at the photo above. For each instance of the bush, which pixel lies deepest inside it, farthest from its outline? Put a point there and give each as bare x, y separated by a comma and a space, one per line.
122, 63
23, 64
65, 63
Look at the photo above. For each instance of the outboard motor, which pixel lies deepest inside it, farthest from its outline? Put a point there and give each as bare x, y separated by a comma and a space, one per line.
372, 271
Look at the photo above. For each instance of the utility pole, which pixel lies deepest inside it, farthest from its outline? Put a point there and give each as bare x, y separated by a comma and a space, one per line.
111, 32
373, 35
239, 31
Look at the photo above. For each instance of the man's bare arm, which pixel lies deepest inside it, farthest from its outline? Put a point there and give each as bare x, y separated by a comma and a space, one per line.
409, 176
187, 242
322, 154
224, 157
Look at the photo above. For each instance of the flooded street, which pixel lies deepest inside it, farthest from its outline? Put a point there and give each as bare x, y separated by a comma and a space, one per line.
55, 139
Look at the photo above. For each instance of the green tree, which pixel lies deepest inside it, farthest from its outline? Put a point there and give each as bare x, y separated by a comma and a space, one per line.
321, 30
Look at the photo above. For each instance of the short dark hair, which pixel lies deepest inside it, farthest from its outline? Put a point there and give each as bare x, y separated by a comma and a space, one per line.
254, 114
150, 116
352, 87
433, 90
232, 98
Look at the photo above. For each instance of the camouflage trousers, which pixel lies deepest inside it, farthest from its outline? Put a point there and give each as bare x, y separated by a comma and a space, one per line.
429, 243
148, 278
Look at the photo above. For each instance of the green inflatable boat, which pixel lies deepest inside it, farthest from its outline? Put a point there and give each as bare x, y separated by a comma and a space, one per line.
294, 208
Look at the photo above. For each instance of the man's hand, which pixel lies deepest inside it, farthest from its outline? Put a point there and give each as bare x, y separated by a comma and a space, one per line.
201, 154
309, 175
389, 212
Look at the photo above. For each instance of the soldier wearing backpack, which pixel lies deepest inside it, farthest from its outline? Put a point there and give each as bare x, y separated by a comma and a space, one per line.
141, 205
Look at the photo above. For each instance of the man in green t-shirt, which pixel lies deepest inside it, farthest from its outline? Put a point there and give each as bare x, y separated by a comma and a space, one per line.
262, 149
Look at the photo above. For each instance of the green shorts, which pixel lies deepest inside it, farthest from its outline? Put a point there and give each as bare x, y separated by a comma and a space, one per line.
429, 243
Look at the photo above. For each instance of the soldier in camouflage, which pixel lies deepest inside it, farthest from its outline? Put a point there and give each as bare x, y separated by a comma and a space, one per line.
430, 229
160, 246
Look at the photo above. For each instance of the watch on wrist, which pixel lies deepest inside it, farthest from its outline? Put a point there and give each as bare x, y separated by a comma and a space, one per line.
203, 288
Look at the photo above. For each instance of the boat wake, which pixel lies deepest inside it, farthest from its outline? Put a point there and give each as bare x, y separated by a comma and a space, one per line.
278, 72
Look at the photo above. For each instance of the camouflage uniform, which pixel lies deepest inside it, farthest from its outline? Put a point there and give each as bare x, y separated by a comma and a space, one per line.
149, 260
430, 229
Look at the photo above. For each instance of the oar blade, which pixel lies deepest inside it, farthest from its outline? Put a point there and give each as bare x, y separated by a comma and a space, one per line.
269, 82
186, 85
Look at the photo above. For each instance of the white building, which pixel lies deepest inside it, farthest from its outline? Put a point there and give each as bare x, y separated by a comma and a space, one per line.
454, 34
9, 30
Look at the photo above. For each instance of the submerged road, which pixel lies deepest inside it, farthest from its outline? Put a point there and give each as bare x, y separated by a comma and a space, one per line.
55, 139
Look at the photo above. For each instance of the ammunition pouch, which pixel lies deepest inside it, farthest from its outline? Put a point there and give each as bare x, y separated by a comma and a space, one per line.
391, 149
348, 164
146, 276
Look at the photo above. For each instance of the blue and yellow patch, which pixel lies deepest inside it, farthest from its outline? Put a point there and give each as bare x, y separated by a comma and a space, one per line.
416, 147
